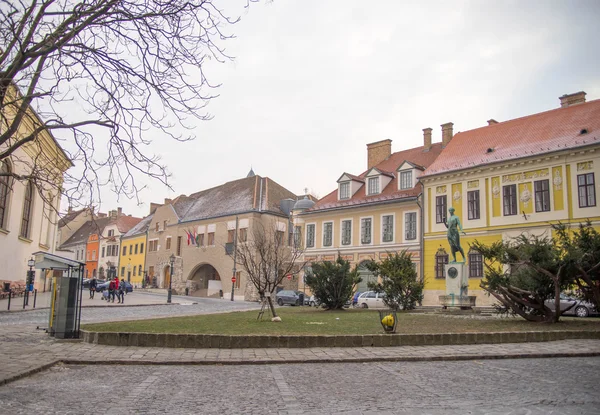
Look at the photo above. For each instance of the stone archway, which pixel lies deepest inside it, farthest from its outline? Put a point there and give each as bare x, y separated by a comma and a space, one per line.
204, 281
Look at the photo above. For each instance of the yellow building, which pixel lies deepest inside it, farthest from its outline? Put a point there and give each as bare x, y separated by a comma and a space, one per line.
370, 215
132, 253
509, 178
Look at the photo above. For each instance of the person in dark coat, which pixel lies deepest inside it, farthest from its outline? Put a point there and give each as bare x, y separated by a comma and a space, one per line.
93, 284
121, 291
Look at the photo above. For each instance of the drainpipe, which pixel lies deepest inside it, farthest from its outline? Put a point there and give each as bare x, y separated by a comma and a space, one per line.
421, 241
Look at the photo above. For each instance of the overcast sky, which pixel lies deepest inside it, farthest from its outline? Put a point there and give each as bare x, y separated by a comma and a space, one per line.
314, 81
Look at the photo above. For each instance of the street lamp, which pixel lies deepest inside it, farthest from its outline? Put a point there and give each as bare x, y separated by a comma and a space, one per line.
172, 260
30, 264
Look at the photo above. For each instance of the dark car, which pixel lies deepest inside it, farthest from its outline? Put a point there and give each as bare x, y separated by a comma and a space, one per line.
104, 286
290, 297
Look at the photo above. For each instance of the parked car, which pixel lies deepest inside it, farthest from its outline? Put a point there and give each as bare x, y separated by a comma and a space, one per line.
313, 302
371, 299
104, 286
290, 297
570, 306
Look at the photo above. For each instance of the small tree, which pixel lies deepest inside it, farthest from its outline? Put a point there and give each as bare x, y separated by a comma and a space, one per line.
398, 281
267, 259
523, 273
332, 283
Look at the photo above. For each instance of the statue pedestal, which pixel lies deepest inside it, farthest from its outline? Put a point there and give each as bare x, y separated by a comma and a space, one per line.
457, 287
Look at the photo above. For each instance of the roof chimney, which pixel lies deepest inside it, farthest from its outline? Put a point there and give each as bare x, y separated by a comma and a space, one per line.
378, 151
446, 133
492, 121
168, 201
572, 99
426, 139
112, 213
119, 211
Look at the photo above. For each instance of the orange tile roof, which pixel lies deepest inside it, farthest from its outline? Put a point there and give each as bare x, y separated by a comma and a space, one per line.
536, 134
390, 192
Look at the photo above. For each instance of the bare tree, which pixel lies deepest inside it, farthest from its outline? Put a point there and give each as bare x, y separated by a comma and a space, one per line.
268, 259
104, 76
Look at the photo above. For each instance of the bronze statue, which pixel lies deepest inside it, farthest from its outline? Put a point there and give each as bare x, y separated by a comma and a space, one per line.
453, 225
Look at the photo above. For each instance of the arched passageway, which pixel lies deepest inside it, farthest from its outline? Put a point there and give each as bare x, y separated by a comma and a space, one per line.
204, 281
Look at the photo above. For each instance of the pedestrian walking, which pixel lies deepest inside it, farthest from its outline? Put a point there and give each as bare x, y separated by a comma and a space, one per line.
93, 284
121, 291
111, 290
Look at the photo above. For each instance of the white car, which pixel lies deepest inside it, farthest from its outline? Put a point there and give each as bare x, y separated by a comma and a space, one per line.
371, 299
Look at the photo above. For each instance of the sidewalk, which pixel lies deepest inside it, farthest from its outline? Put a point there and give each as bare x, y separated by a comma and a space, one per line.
25, 350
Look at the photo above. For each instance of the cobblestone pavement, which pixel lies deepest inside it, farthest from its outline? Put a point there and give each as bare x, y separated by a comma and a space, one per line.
522, 386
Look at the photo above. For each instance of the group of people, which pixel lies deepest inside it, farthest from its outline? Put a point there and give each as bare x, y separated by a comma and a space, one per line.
116, 288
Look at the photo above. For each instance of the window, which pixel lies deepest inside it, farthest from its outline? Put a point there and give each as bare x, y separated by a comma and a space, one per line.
388, 228
122, 271
89, 256
473, 204
542, 195
509, 196
201, 240
410, 226
365, 230
124, 250
346, 232
4, 188
135, 251
373, 185
103, 252
211, 238
157, 227
165, 225
243, 235
134, 270
345, 190
310, 235
130, 249
25, 221
94, 255
111, 232
406, 181
327, 233
297, 237
140, 270
475, 264
440, 209
152, 246
238, 277
441, 259
230, 235
168, 243
587, 191
178, 245
142, 248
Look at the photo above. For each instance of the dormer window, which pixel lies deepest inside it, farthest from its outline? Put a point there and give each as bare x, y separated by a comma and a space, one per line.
406, 180
373, 185
345, 190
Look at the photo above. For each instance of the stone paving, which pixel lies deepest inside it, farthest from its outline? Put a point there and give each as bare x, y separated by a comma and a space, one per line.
524, 386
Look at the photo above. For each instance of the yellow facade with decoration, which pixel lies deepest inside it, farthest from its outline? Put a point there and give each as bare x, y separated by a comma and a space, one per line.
524, 196
132, 259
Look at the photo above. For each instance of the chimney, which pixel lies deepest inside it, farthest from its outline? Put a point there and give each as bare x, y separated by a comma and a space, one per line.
378, 151
426, 139
446, 133
572, 99
168, 201
492, 121
119, 211
112, 213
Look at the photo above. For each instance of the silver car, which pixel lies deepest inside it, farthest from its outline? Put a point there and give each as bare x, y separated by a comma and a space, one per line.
570, 306
290, 297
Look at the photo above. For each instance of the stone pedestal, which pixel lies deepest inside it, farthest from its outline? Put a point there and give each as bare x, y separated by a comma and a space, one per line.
457, 287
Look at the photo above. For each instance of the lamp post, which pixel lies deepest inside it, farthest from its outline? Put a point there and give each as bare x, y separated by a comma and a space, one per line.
172, 261
30, 264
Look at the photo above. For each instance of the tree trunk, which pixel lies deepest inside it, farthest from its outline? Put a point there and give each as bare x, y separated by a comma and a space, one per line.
556, 301
273, 312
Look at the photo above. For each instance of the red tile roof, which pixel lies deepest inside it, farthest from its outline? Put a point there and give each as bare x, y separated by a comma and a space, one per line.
537, 134
390, 192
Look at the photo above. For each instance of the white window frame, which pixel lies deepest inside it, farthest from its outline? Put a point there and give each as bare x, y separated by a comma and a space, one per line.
323, 233
393, 215
361, 230
400, 182
373, 180
314, 245
342, 231
404, 227
345, 186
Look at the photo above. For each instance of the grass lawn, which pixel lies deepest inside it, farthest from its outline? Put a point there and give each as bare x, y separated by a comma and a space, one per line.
311, 321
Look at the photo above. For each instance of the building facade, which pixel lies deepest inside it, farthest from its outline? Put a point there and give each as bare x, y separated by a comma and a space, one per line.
132, 260
511, 178
372, 215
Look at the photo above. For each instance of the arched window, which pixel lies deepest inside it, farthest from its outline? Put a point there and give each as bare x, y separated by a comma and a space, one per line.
4, 192
441, 258
27, 205
475, 264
